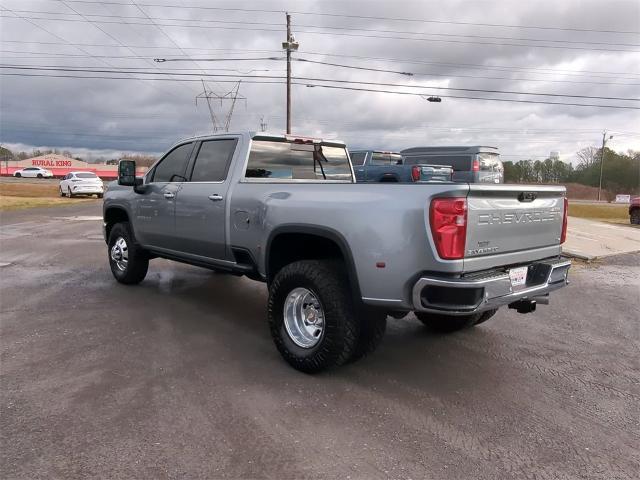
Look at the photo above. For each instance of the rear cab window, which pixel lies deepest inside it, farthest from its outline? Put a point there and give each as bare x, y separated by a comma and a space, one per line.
459, 163
386, 158
284, 160
213, 160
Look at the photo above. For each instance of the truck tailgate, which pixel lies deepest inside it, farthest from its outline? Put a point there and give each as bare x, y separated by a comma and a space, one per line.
503, 219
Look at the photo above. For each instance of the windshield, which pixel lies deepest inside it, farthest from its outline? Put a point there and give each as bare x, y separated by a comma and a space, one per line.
86, 175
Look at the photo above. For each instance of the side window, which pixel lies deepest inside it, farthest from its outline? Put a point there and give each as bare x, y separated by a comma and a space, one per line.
174, 163
357, 158
381, 159
212, 162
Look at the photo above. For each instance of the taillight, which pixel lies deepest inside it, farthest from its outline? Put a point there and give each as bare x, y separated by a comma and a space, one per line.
563, 235
476, 166
415, 173
448, 220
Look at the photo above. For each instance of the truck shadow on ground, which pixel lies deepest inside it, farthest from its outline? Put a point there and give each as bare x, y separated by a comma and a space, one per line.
233, 309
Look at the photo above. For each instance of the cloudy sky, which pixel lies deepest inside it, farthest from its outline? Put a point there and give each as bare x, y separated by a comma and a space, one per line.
569, 50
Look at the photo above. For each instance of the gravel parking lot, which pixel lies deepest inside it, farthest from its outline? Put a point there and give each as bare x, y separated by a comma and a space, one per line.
178, 378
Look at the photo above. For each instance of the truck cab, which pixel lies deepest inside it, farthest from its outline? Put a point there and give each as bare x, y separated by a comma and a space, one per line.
380, 166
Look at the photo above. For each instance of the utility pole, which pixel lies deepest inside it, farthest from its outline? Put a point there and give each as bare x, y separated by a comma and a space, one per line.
263, 124
604, 144
289, 45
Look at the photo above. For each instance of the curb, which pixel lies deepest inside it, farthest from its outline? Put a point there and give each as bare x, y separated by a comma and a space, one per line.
591, 258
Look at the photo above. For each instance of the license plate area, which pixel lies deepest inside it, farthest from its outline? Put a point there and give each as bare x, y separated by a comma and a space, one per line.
518, 277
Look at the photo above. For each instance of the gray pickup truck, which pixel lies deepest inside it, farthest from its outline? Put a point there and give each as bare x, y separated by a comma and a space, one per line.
378, 166
338, 257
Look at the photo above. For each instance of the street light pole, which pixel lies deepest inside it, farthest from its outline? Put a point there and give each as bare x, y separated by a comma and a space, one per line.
604, 144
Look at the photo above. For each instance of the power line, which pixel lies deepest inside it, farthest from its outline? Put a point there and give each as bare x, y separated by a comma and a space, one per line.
49, 55
61, 38
538, 71
365, 17
502, 44
469, 98
400, 72
162, 60
155, 79
339, 88
95, 24
161, 30
328, 27
314, 79
470, 65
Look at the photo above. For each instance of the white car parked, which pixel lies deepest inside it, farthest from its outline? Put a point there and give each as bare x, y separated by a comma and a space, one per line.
81, 183
33, 172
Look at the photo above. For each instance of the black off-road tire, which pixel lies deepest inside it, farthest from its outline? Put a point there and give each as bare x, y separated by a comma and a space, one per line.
138, 259
635, 216
373, 325
327, 280
448, 323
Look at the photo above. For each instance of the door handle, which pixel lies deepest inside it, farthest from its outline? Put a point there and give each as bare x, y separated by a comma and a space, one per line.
168, 195
215, 197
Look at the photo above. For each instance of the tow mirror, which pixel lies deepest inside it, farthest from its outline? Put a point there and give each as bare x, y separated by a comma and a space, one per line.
127, 173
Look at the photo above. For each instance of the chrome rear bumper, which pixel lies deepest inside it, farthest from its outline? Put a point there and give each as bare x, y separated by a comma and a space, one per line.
479, 292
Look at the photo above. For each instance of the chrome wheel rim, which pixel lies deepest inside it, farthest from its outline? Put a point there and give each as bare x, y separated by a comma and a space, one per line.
303, 317
120, 254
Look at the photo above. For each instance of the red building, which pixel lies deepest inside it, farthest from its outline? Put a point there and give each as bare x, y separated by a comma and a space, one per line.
60, 166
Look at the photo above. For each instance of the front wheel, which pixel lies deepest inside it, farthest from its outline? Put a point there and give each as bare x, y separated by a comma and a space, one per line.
40, 175
69, 194
635, 217
128, 261
61, 192
18, 175
451, 323
311, 314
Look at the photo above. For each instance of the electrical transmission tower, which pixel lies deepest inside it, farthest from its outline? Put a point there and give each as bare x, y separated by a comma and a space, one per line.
209, 95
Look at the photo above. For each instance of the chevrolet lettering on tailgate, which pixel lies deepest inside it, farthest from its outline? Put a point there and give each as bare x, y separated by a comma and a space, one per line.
539, 216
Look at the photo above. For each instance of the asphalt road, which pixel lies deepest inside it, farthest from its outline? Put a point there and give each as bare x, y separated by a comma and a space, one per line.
178, 378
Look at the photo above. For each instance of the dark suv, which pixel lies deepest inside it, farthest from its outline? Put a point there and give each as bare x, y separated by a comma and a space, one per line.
475, 164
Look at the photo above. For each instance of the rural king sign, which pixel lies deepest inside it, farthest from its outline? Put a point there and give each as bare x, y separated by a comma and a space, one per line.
47, 162
60, 166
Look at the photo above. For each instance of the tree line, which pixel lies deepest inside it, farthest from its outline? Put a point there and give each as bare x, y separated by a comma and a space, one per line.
621, 171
